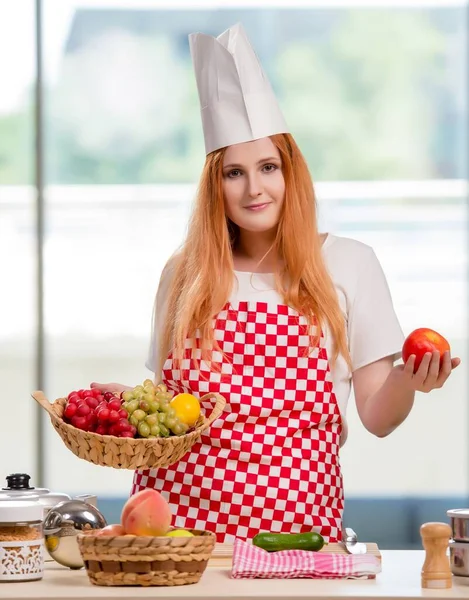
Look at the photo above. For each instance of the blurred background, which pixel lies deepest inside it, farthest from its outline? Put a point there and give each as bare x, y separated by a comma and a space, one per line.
101, 148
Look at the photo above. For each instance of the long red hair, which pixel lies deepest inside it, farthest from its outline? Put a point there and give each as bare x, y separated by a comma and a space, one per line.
202, 271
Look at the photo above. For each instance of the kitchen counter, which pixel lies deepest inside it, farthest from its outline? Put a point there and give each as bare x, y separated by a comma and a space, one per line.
400, 578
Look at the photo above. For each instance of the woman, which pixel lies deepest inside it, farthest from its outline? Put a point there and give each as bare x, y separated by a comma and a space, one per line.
278, 318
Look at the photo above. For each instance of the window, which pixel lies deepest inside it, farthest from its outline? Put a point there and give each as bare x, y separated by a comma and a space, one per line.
18, 298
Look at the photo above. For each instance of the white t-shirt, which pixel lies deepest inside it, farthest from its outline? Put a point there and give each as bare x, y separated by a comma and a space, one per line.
373, 330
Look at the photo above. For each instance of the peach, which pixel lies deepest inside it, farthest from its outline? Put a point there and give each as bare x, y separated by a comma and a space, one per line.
112, 530
146, 513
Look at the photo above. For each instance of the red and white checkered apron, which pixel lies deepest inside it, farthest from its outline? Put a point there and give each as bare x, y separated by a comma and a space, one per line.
271, 461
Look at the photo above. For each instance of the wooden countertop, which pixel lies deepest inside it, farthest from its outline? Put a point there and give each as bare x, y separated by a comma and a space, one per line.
400, 579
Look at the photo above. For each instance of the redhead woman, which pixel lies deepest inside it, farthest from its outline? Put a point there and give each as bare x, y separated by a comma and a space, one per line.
280, 319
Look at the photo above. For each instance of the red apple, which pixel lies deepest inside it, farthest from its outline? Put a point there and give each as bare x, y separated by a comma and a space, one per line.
421, 341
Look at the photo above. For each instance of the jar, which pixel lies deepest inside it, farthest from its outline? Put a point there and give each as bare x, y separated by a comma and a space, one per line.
21, 540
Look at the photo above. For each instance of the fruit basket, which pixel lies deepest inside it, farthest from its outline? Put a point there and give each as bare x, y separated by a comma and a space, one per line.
145, 560
127, 453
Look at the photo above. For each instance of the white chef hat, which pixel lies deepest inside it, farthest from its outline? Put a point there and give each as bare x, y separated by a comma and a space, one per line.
236, 100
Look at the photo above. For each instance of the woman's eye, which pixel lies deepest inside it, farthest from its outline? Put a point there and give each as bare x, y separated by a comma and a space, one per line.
234, 173
269, 168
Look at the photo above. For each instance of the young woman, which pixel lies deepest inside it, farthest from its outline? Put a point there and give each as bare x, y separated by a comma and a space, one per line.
281, 320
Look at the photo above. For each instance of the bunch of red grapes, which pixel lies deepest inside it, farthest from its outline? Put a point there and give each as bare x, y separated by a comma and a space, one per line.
91, 410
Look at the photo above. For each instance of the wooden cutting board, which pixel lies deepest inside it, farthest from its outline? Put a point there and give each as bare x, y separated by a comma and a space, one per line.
222, 553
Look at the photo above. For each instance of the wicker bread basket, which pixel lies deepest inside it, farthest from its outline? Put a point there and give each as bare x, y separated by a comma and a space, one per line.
127, 453
145, 560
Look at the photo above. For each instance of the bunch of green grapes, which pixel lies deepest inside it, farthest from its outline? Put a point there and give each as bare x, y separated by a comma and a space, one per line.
150, 411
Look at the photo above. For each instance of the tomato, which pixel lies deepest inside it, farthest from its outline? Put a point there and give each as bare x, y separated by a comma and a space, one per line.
187, 408
421, 341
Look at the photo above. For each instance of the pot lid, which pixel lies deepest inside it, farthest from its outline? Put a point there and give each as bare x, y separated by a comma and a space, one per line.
458, 512
19, 482
18, 486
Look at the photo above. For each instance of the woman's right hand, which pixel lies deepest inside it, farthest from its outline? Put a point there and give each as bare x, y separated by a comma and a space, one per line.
114, 388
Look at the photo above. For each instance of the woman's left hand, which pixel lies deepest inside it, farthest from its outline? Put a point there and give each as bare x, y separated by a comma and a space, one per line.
429, 375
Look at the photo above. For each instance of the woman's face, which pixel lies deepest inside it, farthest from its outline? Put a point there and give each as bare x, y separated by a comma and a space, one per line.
253, 185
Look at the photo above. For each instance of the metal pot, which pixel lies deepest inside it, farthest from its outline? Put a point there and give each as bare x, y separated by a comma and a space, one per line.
62, 525
459, 558
18, 487
459, 521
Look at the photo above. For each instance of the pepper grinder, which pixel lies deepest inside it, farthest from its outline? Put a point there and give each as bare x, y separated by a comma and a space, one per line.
436, 571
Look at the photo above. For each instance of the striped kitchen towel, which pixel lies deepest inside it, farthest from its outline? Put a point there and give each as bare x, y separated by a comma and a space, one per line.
250, 562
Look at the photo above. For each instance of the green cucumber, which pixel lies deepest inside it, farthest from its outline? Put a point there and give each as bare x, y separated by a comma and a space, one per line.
273, 542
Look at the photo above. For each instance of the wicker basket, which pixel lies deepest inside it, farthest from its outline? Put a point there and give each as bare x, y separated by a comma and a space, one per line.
145, 560
127, 453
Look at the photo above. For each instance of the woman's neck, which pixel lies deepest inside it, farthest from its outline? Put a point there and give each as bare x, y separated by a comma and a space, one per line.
254, 252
